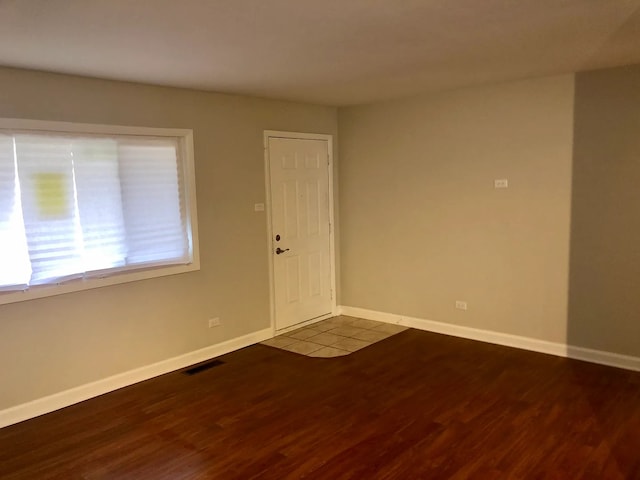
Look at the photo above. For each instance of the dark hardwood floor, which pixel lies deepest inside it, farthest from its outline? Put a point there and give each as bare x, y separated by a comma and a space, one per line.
414, 406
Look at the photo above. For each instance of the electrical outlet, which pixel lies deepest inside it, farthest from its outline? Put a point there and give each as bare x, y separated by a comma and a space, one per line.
214, 322
501, 183
461, 305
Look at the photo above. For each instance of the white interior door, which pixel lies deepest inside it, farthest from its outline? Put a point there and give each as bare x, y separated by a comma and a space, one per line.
300, 229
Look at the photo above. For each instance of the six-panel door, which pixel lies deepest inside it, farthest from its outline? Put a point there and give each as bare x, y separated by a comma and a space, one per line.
299, 178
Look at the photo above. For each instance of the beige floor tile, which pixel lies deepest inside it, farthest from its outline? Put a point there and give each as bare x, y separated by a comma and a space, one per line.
371, 335
302, 347
325, 338
390, 328
321, 326
315, 331
346, 331
350, 344
301, 333
328, 352
363, 323
334, 337
341, 321
346, 319
279, 342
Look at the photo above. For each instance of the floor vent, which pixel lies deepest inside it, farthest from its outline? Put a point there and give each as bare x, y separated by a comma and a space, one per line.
201, 367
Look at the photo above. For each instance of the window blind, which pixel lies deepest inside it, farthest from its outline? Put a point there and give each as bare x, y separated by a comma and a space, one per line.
15, 269
152, 197
78, 206
45, 173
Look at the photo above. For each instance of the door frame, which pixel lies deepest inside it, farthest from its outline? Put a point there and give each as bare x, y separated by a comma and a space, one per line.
270, 247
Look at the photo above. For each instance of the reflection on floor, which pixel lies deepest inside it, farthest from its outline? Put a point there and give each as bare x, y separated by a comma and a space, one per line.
334, 337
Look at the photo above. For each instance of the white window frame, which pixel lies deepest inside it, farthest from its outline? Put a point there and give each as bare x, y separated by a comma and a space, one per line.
185, 144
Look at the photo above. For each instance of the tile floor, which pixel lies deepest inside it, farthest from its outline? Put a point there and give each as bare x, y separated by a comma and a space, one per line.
334, 337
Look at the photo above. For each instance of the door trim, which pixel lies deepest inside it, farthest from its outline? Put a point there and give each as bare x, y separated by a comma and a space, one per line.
332, 248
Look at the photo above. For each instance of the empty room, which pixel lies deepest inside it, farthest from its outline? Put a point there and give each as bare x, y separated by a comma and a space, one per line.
353, 239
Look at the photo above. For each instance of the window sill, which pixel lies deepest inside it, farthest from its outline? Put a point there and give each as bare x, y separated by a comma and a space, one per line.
43, 291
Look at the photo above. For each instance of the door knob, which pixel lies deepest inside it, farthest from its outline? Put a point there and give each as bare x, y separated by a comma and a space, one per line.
279, 250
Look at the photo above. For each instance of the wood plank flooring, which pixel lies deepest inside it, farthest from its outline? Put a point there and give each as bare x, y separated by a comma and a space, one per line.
414, 406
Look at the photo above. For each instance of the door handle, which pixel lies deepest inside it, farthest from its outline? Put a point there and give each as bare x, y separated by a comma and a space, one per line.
280, 251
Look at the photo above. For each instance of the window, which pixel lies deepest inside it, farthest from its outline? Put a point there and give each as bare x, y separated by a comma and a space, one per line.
83, 206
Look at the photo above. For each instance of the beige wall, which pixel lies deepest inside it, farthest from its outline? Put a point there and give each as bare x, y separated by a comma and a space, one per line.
53, 344
604, 299
422, 225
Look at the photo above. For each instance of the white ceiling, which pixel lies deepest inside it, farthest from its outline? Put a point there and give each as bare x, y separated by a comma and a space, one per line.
335, 52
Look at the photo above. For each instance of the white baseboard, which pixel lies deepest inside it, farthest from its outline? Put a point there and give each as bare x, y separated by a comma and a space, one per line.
498, 338
74, 395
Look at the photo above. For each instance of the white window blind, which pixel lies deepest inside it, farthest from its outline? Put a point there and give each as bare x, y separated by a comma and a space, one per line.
79, 206
15, 270
153, 209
